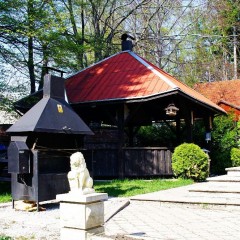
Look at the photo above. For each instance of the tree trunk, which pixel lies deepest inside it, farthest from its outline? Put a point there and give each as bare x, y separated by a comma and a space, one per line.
44, 67
30, 62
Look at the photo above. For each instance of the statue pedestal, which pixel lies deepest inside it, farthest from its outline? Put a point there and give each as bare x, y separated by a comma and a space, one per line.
81, 215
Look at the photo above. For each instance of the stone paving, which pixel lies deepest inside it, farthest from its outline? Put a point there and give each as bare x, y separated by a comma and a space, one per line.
201, 211
151, 220
140, 219
174, 214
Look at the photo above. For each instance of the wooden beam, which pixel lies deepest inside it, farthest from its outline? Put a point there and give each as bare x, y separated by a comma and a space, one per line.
189, 124
120, 124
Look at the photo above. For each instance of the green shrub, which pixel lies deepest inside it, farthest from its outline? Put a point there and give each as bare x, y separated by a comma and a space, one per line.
5, 238
235, 157
238, 133
224, 138
190, 161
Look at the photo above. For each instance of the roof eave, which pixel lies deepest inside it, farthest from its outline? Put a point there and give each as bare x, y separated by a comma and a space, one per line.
152, 97
129, 100
216, 109
229, 104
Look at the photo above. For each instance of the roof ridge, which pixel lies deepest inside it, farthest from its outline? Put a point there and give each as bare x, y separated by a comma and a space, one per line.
151, 68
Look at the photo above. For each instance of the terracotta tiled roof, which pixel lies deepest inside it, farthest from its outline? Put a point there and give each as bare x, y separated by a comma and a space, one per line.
125, 76
226, 92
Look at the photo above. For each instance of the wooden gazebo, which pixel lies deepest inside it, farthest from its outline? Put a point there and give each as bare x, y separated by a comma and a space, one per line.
125, 92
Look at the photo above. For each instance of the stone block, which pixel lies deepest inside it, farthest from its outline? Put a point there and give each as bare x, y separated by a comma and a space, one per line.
82, 211
82, 216
80, 198
79, 234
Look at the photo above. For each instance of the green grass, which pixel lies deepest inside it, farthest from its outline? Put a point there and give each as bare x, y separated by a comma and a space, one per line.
116, 188
5, 192
127, 188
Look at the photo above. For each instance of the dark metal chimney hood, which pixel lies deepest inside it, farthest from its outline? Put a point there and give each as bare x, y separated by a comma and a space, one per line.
52, 114
127, 44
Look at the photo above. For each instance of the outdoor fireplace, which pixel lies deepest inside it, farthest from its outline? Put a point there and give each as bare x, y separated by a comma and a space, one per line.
42, 141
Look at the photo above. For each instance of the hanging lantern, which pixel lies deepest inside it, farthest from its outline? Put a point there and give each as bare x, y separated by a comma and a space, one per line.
171, 110
208, 137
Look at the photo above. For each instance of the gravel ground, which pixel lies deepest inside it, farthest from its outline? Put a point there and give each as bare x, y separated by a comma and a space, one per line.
22, 225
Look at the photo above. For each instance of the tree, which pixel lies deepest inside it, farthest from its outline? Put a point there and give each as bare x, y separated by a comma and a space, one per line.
58, 33
166, 36
212, 58
229, 25
224, 138
189, 39
22, 24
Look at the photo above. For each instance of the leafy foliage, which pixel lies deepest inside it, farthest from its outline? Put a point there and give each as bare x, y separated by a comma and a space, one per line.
238, 133
235, 157
190, 161
155, 135
73, 34
5, 192
224, 138
5, 238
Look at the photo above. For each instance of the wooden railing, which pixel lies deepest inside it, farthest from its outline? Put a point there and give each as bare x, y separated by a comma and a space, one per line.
137, 161
147, 161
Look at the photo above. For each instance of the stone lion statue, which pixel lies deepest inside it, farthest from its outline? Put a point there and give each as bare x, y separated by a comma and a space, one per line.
79, 178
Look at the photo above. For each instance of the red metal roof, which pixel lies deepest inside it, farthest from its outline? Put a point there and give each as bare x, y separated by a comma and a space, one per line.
125, 76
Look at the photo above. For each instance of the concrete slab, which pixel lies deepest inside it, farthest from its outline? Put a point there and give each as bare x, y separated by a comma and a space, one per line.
182, 195
224, 178
217, 187
114, 206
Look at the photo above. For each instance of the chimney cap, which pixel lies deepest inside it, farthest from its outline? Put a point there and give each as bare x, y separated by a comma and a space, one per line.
127, 44
125, 36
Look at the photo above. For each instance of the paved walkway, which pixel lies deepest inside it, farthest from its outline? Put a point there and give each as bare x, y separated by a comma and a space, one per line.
140, 219
199, 211
151, 220
198, 193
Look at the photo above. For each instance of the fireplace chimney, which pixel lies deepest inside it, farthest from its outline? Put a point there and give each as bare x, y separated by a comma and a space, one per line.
52, 114
127, 44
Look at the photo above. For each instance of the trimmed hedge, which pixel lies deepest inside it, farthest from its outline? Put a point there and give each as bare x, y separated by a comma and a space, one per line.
190, 161
235, 157
5, 238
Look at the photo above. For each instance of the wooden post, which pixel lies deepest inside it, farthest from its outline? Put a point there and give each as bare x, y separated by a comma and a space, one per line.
130, 135
120, 122
178, 130
189, 124
208, 121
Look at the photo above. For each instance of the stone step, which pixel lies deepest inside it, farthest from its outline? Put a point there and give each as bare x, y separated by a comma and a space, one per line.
219, 190
182, 195
217, 187
215, 195
234, 171
224, 178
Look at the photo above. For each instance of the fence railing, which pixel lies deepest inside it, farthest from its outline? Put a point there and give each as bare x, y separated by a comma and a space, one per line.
137, 161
